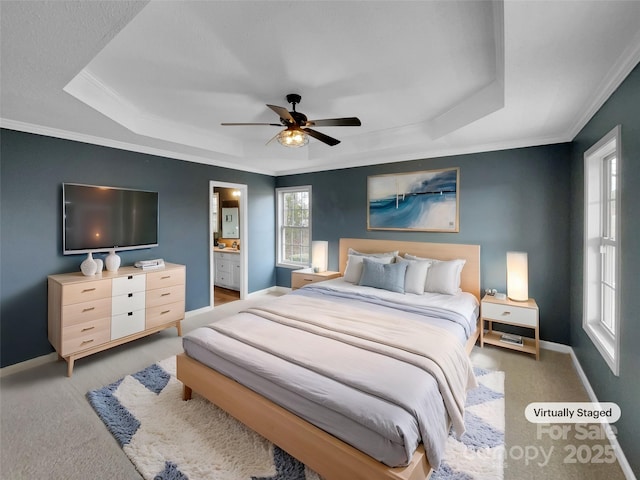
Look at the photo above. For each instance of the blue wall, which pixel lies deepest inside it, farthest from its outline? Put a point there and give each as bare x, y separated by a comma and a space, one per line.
509, 200
33, 169
622, 108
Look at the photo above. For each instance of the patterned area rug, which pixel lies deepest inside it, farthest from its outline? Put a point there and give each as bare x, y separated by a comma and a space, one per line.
168, 439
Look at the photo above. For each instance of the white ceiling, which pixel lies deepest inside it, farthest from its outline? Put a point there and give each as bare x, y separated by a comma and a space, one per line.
426, 78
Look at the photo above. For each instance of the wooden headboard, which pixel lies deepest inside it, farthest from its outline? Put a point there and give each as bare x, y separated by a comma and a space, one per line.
469, 279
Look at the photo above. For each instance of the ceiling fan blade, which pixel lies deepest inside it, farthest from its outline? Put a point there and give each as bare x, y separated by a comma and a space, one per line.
242, 124
273, 138
335, 122
282, 113
322, 137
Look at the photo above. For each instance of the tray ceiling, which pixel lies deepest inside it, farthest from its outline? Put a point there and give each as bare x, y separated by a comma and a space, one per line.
426, 78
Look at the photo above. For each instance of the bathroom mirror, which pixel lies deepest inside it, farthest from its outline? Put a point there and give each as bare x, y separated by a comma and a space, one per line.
230, 224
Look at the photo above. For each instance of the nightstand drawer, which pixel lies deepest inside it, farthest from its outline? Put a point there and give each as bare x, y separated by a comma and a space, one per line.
299, 280
526, 317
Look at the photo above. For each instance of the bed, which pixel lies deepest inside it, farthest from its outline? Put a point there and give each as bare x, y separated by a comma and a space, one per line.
213, 373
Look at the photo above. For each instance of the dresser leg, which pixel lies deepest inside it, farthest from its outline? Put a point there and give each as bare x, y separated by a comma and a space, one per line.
70, 361
179, 327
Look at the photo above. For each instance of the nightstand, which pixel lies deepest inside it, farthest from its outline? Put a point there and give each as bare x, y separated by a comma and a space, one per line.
508, 312
300, 278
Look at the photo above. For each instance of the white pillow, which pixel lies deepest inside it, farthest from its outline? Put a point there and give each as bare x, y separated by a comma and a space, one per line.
416, 276
353, 270
444, 277
413, 257
385, 254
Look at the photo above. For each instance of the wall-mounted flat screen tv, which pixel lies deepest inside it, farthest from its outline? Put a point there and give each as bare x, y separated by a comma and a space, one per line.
104, 218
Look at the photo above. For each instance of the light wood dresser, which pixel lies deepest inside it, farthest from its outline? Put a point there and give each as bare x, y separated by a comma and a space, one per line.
89, 314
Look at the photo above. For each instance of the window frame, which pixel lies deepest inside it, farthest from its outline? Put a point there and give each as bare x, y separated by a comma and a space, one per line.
280, 192
600, 219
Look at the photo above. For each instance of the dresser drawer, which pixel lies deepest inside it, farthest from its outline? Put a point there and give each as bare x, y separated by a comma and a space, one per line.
128, 284
85, 291
164, 314
127, 324
165, 278
86, 335
162, 296
527, 317
129, 302
79, 313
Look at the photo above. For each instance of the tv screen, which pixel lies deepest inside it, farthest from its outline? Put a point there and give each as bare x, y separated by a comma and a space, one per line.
104, 218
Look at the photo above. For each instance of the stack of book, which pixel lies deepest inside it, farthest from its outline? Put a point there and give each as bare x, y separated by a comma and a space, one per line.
509, 338
150, 264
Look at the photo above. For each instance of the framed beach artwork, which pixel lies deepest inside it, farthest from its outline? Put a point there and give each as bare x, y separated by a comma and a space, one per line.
418, 201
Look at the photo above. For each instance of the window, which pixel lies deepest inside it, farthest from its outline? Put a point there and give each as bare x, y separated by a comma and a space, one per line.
601, 318
294, 226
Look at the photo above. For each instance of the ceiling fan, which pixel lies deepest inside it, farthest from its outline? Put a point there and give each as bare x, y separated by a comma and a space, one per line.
297, 126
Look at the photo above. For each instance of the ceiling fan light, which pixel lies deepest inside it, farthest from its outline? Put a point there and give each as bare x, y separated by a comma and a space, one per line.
293, 138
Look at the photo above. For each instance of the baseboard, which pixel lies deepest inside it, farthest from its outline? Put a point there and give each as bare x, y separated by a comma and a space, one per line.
267, 291
558, 347
192, 313
52, 357
27, 364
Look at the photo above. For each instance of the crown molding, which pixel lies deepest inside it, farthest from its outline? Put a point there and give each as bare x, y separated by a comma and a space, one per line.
616, 75
107, 142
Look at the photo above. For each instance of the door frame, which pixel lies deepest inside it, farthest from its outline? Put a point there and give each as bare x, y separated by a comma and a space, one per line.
244, 238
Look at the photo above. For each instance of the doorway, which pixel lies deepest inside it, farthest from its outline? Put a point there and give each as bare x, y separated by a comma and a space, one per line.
228, 242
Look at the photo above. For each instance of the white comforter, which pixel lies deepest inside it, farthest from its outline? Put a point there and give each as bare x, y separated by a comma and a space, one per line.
370, 351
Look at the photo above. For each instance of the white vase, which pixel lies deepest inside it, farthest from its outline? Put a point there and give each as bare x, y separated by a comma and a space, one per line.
112, 261
100, 265
89, 266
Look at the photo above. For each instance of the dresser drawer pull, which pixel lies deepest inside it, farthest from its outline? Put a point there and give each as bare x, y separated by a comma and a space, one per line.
166, 311
129, 314
308, 279
130, 295
165, 294
86, 329
88, 290
88, 309
506, 313
130, 277
165, 277
86, 341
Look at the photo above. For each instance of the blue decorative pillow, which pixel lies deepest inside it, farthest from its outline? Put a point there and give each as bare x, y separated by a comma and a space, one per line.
388, 276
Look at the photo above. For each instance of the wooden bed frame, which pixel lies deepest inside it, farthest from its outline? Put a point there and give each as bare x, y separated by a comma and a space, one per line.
320, 451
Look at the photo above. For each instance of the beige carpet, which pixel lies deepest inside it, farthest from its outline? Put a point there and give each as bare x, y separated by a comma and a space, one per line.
48, 430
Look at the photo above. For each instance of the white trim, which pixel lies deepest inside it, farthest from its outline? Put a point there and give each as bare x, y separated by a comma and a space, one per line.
28, 364
608, 345
107, 142
622, 459
244, 238
559, 347
279, 191
614, 78
269, 290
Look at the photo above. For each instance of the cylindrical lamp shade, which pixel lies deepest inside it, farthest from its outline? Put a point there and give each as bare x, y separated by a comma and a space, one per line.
517, 276
319, 255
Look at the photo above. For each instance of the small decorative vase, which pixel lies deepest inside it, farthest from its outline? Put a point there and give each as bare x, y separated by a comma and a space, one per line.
100, 265
112, 261
89, 266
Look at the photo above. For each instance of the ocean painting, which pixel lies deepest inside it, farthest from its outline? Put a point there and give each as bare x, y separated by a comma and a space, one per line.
421, 201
